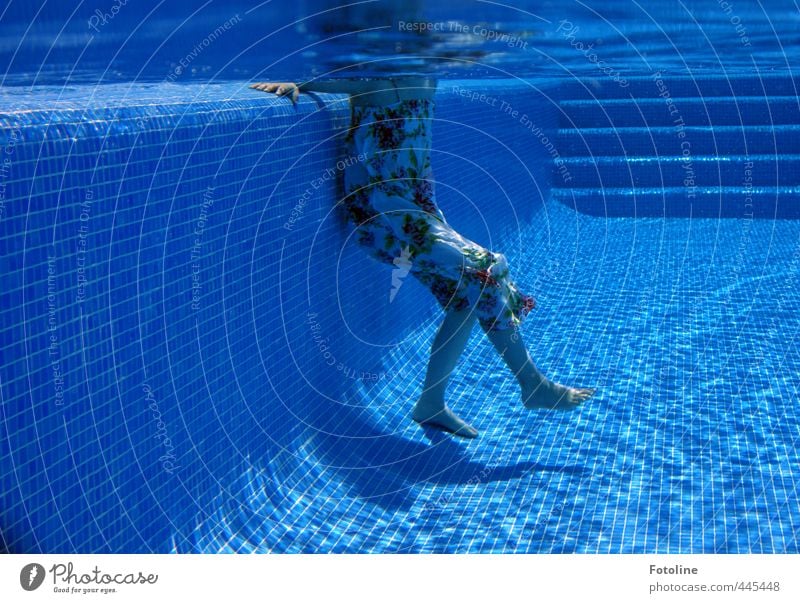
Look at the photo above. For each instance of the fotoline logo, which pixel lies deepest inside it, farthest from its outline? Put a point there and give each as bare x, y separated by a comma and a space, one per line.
31, 576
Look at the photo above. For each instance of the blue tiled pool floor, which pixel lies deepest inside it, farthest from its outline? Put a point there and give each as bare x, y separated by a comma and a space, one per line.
687, 328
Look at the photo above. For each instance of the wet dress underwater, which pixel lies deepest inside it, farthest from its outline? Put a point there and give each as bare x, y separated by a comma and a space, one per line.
389, 199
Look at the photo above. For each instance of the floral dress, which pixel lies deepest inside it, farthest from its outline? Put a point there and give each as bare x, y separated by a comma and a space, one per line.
390, 201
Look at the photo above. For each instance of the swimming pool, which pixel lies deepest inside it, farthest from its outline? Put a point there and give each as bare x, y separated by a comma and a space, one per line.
196, 357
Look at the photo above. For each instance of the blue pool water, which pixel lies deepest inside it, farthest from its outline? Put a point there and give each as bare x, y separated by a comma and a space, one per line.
196, 356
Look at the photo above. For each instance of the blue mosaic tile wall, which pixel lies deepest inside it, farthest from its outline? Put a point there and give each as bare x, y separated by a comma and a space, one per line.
176, 281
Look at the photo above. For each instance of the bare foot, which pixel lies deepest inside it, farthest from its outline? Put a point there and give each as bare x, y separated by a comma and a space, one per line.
444, 419
554, 396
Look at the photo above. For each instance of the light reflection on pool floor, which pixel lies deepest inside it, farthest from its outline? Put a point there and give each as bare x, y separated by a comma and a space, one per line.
686, 327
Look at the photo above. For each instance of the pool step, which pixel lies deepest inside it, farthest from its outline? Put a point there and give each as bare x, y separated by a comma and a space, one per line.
655, 84
619, 171
661, 141
687, 111
702, 202
679, 146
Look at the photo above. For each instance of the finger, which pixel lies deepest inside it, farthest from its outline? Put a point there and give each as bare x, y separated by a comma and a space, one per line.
287, 90
295, 94
267, 86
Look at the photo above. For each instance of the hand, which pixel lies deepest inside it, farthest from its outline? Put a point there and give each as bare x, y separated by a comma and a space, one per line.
280, 88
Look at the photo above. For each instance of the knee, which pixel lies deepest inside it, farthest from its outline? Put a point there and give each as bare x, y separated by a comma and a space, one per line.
499, 267
500, 261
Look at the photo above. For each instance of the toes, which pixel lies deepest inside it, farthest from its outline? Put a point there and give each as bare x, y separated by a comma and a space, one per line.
470, 430
450, 422
466, 431
583, 394
459, 426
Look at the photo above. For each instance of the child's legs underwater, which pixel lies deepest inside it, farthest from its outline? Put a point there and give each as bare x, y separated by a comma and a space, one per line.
463, 274
478, 282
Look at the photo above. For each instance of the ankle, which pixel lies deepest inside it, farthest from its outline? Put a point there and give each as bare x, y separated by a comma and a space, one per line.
430, 403
531, 381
